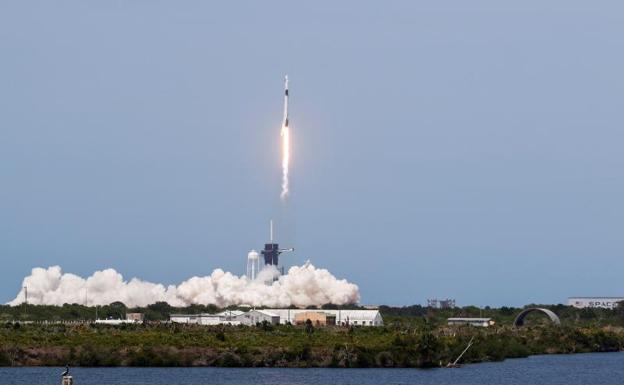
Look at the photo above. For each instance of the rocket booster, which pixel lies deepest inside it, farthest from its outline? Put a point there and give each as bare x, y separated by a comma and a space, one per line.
285, 134
285, 122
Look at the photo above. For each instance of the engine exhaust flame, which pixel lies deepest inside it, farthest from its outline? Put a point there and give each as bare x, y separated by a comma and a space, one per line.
285, 162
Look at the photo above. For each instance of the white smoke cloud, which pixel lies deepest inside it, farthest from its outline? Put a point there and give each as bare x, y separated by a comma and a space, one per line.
302, 286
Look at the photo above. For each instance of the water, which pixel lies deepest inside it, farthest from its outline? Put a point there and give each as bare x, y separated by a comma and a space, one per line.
577, 369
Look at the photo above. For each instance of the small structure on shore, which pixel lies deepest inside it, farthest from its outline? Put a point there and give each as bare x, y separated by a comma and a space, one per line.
66, 378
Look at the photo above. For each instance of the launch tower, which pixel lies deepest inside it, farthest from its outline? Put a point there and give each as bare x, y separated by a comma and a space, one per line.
272, 251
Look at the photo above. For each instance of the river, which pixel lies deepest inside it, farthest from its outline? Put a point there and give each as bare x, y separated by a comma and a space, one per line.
575, 369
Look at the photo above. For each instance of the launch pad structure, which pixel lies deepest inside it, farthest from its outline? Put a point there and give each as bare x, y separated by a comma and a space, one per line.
272, 251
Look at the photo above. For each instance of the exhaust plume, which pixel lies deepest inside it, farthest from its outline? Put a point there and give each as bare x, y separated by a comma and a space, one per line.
285, 162
303, 286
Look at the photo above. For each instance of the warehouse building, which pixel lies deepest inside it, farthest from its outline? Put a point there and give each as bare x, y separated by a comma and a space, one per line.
477, 322
254, 317
284, 316
595, 302
131, 318
342, 317
228, 317
317, 318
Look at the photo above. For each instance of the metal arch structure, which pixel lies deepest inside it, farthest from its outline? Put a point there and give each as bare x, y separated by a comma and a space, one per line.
519, 321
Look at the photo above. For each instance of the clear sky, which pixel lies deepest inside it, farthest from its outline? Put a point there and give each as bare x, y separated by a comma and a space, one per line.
470, 149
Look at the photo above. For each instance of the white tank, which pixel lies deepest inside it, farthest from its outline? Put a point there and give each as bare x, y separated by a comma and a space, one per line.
253, 264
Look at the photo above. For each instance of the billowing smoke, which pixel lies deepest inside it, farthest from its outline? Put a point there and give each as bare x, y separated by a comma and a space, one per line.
302, 286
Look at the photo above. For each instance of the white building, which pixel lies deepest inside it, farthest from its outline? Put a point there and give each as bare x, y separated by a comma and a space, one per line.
343, 317
230, 314
199, 319
114, 321
254, 317
131, 318
478, 322
278, 316
227, 317
595, 302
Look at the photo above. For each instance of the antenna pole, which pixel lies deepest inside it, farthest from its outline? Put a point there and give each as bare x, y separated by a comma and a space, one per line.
26, 295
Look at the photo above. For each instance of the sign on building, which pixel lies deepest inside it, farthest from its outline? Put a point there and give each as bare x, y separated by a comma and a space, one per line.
595, 302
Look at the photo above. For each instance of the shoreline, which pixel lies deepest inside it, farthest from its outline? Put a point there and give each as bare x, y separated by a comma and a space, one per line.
290, 346
314, 367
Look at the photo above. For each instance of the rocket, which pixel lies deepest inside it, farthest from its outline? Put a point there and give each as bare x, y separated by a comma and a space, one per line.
285, 122
285, 134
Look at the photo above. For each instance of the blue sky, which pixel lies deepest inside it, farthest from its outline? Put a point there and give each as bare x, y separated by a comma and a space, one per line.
468, 149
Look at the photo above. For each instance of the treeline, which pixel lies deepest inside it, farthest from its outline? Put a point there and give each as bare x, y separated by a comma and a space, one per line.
395, 345
158, 311
569, 315
407, 315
